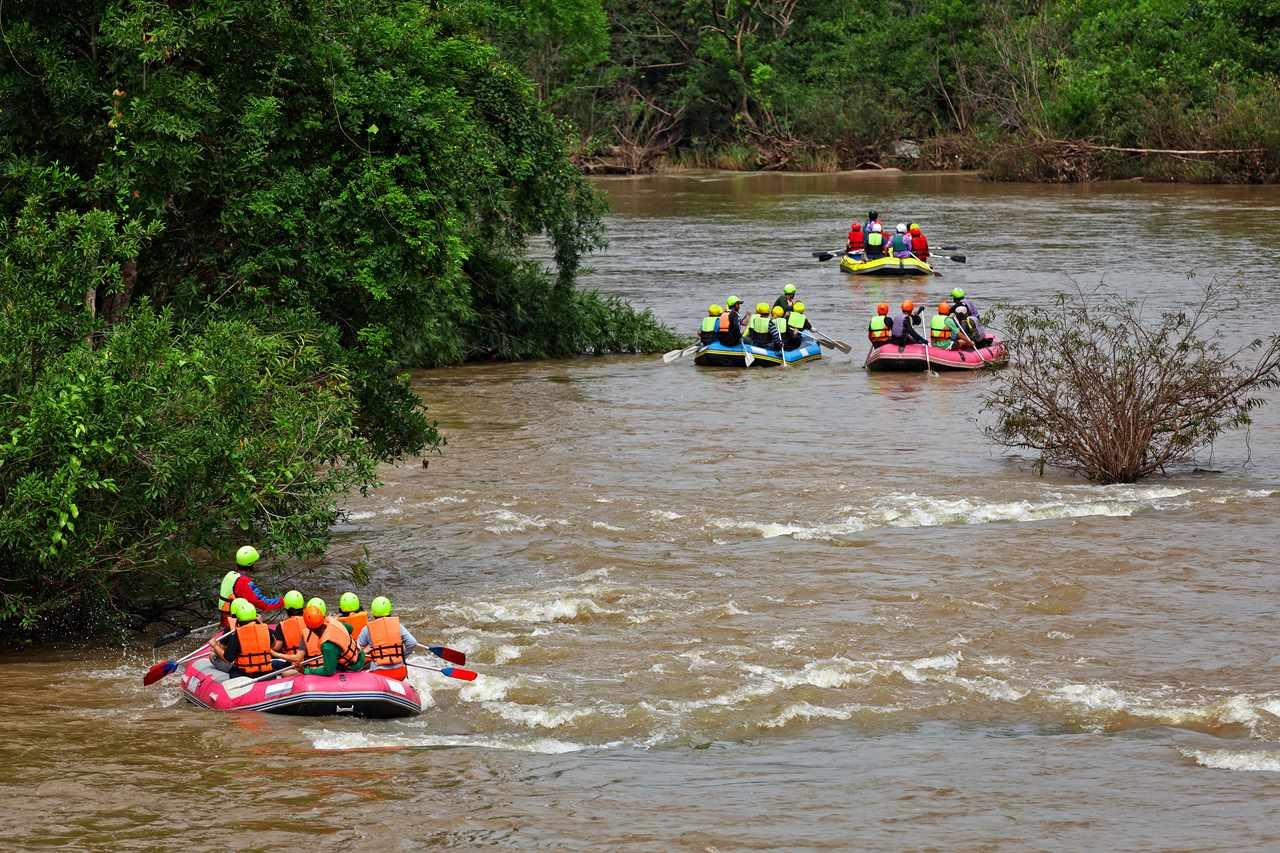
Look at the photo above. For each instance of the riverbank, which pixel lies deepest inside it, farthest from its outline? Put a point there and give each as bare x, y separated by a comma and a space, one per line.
1009, 158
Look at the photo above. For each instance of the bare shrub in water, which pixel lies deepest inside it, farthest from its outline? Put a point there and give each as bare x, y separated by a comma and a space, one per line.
1097, 390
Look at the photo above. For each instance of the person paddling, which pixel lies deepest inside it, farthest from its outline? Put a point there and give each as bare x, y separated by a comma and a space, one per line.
787, 299
797, 322
853, 243
386, 641
709, 331
901, 331
878, 329
900, 243
919, 242
350, 614
288, 633
328, 639
248, 649
943, 332
237, 584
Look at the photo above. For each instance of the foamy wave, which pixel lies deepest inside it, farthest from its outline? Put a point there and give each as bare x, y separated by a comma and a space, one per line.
1230, 759
506, 521
914, 510
506, 654
1232, 710
523, 610
329, 740
664, 514
806, 711
534, 716
491, 688
445, 499
600, 525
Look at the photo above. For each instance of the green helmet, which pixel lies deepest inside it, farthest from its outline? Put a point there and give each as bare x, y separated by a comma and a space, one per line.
349, 603
237, 605
732, 301
319, 604
380, 606
957, 293
294, 600
246, 556
248, 612
789, 289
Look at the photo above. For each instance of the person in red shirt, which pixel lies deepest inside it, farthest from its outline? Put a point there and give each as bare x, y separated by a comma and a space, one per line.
854, 243
919, 243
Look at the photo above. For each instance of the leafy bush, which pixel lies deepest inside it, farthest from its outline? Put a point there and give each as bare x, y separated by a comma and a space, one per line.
121, 463
1096, 388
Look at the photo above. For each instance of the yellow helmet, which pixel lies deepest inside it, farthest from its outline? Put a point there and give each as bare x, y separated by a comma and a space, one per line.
715, 310
762, 308
798, 308
777, 311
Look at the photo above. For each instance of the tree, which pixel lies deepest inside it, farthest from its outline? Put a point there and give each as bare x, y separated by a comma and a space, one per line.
1097, 389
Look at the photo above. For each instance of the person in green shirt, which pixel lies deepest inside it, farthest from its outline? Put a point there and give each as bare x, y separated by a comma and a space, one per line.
328, 639
787, 299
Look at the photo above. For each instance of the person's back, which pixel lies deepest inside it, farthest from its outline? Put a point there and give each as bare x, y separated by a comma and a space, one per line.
874, 247
873, 220
709, 331
797, 322
941, 332
778, 328
388, 642
878, 328
900, 327
759, 326
728, 332
328, 639
900, 243
919, 243
853, 243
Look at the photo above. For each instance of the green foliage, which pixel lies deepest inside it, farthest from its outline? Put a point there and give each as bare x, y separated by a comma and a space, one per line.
794, 80
296, 193
122, 462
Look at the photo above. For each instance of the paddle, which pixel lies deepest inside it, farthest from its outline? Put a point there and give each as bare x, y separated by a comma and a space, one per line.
926, 263
747, 355
448, 671
826, 256
180, 633
164, 667
446, 653
244, 680
928, 365
838, 344
678, 353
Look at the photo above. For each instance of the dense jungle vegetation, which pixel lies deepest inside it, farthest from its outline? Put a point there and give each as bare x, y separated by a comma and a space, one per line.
227, 226
1027, 90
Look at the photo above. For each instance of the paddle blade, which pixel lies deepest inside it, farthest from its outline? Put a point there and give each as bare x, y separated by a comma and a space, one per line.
458, 673
158, 671
949, 248
672, 356
446, 653
825, 256
959, 259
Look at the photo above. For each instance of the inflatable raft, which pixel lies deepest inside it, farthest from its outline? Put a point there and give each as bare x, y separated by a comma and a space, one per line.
353, 694
718, 355
885, 266
912, 357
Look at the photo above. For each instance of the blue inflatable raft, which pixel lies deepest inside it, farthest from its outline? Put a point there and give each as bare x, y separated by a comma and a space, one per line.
718, 355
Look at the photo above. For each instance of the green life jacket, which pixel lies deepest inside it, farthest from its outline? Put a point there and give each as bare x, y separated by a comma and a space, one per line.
780, 323
760, 324
796, 320
709, 323
227, 591
878, 329
875, 238
940, 334
900, 243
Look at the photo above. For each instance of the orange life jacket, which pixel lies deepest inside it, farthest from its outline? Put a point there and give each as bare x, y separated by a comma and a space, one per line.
385, 647
724, 322
255, 648
356, 620
291, 630
335, 633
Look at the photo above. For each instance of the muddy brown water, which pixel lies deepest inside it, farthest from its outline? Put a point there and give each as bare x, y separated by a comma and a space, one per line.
799, 610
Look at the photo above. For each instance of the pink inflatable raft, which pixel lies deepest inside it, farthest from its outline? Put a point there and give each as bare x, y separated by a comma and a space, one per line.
354, 694
913, 357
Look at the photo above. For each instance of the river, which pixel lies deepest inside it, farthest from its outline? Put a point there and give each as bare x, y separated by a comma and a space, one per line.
801, 610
